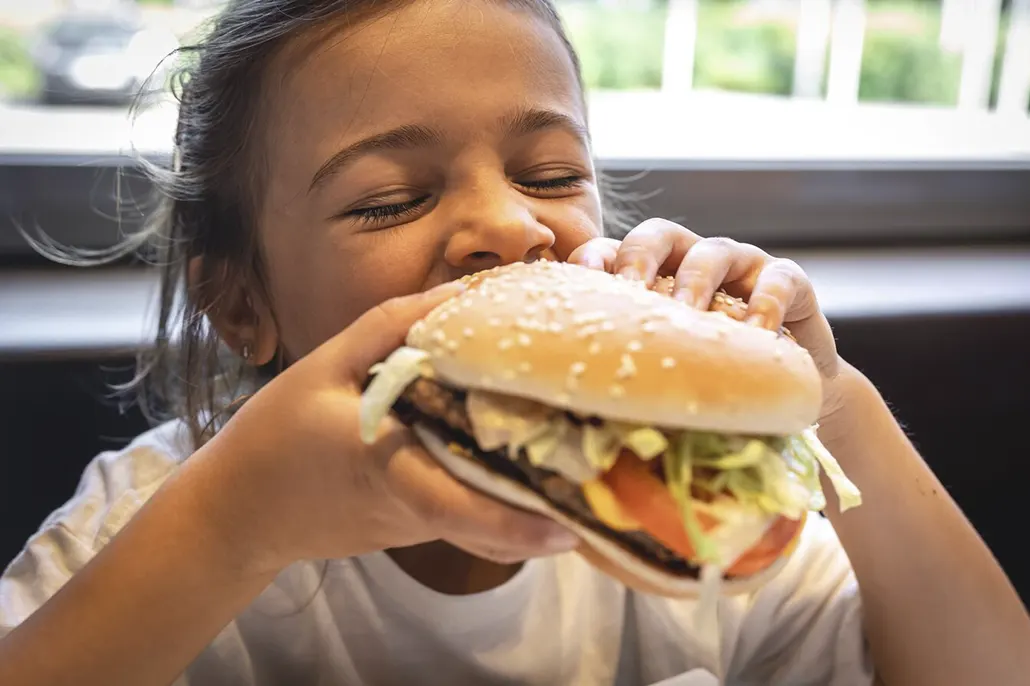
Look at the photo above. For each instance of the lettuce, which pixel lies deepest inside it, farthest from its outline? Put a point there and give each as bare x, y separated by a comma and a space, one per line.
679, 472
391, 379
847, 493
600, 446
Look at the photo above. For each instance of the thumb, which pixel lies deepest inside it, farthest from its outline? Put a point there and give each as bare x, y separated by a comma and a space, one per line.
381, 330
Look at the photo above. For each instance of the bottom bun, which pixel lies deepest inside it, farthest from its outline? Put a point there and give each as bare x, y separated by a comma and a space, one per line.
603, 553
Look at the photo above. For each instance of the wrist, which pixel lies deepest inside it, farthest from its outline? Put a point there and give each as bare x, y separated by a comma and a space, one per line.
230, 513
853, 401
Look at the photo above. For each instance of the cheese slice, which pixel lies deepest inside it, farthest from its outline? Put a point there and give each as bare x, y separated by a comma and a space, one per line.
604, 504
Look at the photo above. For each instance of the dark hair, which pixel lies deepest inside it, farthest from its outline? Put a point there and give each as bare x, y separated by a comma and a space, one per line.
206, 201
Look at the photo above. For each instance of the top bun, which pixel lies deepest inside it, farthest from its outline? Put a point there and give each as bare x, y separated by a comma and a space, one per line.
599, 345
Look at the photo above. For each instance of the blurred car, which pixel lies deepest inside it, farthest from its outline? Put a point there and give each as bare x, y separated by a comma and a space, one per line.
100, 57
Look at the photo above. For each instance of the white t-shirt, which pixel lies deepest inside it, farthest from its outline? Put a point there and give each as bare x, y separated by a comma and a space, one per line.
558, 621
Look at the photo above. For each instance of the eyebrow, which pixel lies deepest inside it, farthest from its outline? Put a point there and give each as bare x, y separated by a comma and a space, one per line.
402, 138
521, 122
525, 121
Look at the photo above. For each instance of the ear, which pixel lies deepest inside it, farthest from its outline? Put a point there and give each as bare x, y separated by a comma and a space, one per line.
238, 311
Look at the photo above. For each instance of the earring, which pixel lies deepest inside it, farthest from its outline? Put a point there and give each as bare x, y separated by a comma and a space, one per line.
245, 351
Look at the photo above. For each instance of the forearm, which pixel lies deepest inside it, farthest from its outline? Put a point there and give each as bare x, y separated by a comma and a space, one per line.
938, 608
149, 602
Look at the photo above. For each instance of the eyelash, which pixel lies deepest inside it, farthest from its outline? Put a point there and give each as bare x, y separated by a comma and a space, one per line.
553, 184
382, 213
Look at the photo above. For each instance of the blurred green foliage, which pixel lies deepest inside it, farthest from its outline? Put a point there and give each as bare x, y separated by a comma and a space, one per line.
18, 78
739, 48
742, 49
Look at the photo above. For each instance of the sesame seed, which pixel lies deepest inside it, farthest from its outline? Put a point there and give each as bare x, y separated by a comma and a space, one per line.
607, 326
500, 298
616, 391
524, 340
508, 374
504, 343
444, 316
649, 327
627, 368
468, 332
525, 367
577, 368
439, 336
634, 346
594, 348
530, 309
452, 345
692, 408
494, 321
555, 327
564, 398
668, 363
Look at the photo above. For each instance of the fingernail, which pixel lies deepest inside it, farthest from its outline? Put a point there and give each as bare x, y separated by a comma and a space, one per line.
449, 288
758, 319
631, 273
560, 541
685, 296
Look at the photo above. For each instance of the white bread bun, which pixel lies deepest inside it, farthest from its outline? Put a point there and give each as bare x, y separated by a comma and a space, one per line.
589, 342
601, 552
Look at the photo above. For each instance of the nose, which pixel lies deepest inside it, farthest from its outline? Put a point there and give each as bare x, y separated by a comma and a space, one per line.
492, 227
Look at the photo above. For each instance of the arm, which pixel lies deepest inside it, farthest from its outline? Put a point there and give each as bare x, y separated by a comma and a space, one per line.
149, 602
938, 608
287, 478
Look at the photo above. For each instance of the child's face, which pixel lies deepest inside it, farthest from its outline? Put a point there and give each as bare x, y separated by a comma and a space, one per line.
444, 138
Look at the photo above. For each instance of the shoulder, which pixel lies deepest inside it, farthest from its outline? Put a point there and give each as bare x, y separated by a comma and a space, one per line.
112, 488
115, 484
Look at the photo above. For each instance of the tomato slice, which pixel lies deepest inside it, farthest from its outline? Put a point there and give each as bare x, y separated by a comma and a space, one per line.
769, 548
646, 499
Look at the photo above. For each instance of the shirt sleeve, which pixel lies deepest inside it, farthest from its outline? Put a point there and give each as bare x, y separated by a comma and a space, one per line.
112, 488
805, 626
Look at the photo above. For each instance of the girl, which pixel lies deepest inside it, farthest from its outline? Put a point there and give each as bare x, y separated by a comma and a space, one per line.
339, 164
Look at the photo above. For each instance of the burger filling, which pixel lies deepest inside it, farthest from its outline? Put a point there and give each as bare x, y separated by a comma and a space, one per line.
680, 498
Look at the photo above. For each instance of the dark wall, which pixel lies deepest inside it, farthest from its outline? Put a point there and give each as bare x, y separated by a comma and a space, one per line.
960, 385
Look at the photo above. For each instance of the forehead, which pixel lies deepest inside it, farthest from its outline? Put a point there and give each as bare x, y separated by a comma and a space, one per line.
455, 64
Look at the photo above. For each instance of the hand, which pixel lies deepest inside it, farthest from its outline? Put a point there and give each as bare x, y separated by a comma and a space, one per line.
302, 485
777, 290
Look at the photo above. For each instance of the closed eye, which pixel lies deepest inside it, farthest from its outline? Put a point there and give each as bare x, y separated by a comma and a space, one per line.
381, 214
552, 184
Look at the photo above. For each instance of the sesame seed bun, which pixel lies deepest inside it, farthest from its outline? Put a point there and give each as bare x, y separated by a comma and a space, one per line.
601, 552
597, 345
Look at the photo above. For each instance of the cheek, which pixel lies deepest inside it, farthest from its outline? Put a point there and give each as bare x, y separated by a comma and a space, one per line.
573, 223
320, 288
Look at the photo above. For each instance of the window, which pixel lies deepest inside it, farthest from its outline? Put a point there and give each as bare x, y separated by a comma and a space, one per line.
779, 120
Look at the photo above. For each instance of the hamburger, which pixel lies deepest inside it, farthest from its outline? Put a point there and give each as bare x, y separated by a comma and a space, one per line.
679, 445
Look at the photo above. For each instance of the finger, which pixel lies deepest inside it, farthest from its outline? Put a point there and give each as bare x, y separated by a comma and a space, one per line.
711, 263
381, 330
776, 292
651, 247
598, 253
452, 511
